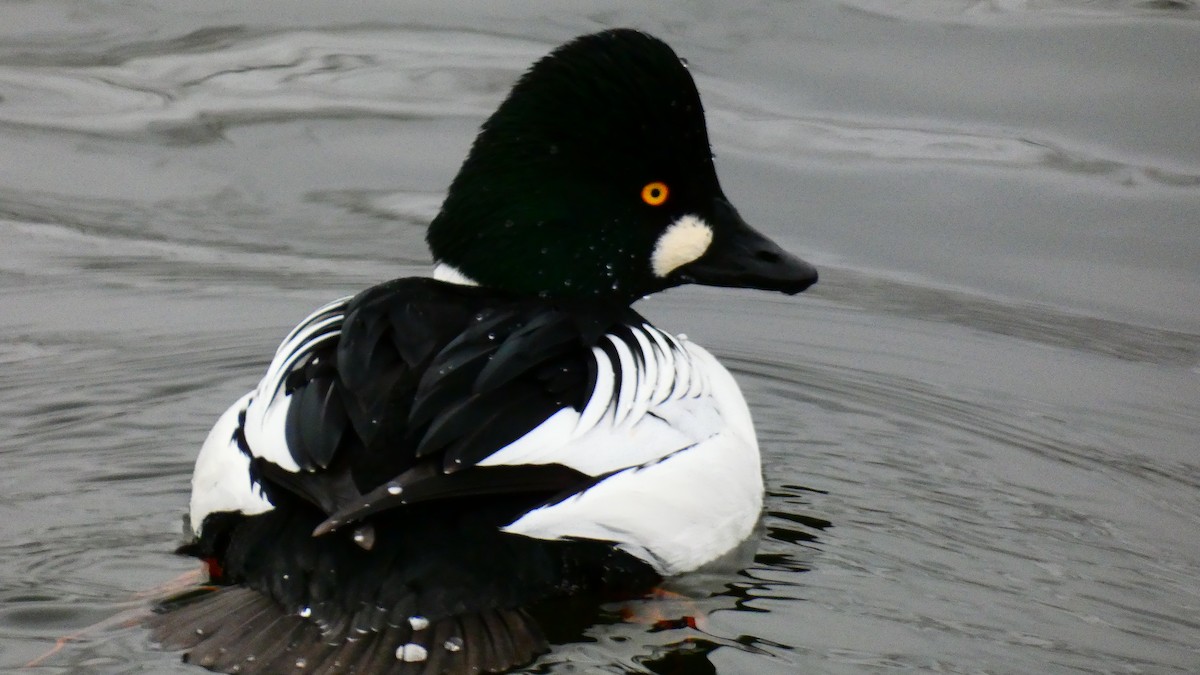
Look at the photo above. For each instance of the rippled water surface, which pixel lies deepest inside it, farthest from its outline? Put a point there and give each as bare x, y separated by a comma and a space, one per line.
980, 430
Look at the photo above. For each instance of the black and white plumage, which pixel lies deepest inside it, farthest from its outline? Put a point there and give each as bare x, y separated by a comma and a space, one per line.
571, 423
591, 402
432, 476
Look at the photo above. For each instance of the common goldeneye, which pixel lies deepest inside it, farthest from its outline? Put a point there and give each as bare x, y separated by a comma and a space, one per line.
429, 464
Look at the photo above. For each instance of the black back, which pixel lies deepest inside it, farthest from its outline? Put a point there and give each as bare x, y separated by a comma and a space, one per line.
426, 380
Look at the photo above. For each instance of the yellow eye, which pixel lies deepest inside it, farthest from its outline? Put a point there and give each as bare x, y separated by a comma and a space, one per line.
655, 193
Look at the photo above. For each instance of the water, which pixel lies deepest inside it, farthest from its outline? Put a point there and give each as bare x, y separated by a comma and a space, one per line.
979, 430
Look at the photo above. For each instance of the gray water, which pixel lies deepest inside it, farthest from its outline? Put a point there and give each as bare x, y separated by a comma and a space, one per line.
980, 429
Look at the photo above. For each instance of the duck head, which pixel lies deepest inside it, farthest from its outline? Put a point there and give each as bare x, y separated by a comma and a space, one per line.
594, 178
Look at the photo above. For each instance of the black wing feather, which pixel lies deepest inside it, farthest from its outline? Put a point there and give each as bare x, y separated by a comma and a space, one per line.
314, 445
426, 482
472, 430
457, 368
427, 379
445, 381
497, 419
325, 490
550, 335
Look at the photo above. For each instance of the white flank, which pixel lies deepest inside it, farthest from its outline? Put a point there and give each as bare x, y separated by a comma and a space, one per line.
677, 514
221, 481
688, 482
684, 241
451, 275
644, 420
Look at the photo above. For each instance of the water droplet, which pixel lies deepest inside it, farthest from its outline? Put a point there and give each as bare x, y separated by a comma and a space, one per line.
301, 662
306, 612
411, 652
394, 488
418, 622
364, 536
454, 644
199, 631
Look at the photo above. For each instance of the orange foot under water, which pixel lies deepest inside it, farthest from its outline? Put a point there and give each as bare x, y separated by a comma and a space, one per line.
130, 617
665, 610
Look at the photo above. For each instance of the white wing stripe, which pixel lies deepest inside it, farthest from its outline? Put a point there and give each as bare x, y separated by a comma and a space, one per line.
683, 369
647, 376
266, 415
630, 376
304, 343
336, 306
666, 365
601, 394
646, 419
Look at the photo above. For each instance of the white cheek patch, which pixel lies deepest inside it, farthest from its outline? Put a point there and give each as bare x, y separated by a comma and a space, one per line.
684, 241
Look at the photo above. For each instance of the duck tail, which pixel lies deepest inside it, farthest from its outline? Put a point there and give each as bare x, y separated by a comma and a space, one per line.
239, 630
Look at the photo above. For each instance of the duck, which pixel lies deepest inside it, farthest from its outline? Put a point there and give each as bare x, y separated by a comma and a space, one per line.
431, 470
